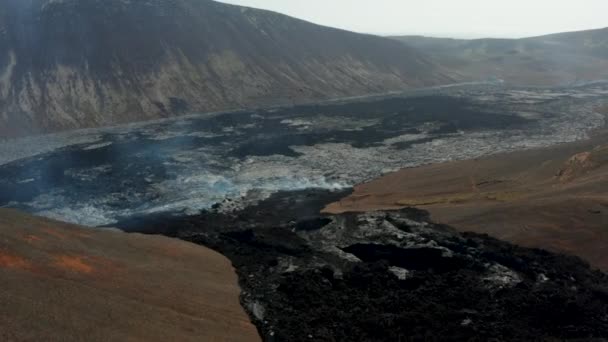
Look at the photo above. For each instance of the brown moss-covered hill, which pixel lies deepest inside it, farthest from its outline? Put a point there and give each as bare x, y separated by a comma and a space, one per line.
66, 283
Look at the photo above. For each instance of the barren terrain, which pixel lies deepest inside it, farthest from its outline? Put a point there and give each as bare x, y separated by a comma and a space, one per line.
555, 59
66, 283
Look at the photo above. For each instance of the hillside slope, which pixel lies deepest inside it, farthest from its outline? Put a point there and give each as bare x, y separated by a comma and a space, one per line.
84, 63
65, 283
546, 60
553, 198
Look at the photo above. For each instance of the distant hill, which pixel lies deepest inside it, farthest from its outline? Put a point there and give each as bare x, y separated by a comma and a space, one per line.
84, 63
62, 282
555, 59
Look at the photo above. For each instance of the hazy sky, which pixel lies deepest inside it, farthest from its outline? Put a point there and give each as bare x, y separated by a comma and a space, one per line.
446, 18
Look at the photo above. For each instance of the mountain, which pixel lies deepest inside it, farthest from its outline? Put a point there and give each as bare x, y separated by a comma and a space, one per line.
546, 60
62, 282
552, 198
83, 63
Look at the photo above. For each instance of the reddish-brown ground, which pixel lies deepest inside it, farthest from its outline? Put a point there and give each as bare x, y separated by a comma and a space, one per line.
603, 109
554, 198
66, 283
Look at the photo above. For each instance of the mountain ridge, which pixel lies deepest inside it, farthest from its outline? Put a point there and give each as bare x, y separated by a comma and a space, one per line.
547, 60
87, 63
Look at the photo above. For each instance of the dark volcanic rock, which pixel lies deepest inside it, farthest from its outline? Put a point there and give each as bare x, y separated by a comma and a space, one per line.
83, 63
394, 276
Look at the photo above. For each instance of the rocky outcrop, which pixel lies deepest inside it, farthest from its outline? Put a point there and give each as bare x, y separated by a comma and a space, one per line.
85, 63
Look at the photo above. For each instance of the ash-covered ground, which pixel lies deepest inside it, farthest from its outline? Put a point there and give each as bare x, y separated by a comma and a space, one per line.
100, 177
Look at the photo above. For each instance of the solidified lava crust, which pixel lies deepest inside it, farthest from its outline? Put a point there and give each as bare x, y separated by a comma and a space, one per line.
392, 276
189, 163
